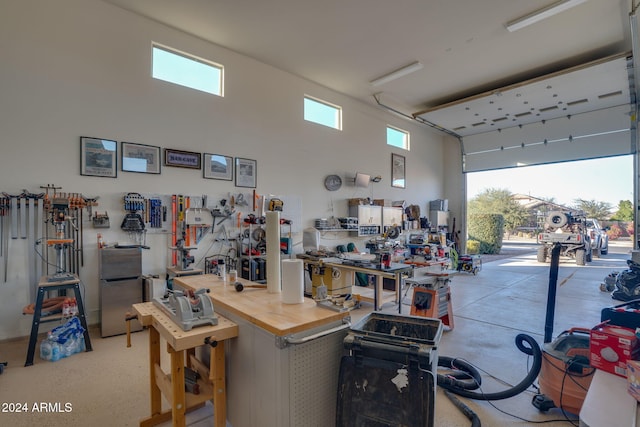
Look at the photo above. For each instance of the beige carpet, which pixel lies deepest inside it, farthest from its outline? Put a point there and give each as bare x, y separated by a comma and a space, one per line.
106, 387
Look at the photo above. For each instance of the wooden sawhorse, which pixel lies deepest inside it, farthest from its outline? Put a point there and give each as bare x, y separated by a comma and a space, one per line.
212, 380
45, 286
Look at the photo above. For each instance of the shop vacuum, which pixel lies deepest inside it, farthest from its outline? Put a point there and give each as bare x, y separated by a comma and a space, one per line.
565, 373
562, 367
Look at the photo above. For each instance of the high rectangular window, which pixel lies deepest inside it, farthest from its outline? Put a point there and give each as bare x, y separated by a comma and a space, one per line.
187, 70
397, 138
322, 112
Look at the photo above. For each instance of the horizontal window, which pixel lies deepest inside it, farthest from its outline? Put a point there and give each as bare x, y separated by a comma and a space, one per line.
322, 113
186, 70
397, 138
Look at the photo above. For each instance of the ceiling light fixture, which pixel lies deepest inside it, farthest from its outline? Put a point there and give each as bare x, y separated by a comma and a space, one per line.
397, 74
544, 13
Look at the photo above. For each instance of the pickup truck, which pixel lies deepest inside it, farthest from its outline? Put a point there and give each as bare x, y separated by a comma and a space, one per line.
599, 237
570, 231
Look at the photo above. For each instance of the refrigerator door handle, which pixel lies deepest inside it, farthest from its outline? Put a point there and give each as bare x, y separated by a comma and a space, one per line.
121, 279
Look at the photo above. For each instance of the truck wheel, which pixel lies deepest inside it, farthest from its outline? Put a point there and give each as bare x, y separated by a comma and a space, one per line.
542, 254
581, 256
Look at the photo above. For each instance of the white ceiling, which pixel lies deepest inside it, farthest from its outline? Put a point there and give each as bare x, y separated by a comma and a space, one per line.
464, 46
594, 86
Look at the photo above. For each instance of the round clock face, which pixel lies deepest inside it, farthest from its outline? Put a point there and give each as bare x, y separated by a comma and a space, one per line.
332, 182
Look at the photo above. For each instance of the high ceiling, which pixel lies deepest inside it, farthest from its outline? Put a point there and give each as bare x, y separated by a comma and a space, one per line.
464, 45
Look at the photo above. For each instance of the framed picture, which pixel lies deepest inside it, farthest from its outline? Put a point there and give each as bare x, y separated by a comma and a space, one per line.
246, 173
98, 157
140, 158
181, 159
398, 170
217, 166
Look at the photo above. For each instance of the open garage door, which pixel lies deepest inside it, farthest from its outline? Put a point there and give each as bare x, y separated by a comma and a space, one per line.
585, 112
581, 113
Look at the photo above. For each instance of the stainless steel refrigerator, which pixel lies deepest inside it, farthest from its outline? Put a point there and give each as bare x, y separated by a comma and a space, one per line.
120, 272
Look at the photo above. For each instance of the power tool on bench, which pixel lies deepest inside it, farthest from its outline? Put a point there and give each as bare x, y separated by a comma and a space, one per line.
188, 309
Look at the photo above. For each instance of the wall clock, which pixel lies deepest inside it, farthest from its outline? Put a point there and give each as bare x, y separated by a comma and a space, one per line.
332, 182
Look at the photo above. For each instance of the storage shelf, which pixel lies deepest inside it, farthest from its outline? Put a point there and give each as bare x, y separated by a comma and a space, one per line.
367, 293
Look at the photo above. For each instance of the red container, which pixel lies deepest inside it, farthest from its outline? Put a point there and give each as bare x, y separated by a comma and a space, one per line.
612, 346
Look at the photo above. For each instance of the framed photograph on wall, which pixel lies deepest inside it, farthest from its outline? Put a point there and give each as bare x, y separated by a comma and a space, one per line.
98, 157
246, 173
217, 166
398, 171
181, 159
140, 158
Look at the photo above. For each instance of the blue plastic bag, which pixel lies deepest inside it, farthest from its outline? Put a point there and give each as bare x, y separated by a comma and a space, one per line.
63, 341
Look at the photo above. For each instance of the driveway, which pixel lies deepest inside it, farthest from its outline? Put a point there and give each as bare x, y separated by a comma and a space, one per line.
515, 281
517, 247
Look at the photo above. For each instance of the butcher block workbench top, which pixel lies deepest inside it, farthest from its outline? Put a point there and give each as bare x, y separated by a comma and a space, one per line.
260, 307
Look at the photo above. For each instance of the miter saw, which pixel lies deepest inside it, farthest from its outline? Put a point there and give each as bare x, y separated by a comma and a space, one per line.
188, 309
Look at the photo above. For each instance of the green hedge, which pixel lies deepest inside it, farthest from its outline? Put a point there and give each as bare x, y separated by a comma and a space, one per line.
487, 229
473, 246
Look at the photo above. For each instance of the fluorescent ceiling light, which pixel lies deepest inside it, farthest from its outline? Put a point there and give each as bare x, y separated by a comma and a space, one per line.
397, 74
539, 15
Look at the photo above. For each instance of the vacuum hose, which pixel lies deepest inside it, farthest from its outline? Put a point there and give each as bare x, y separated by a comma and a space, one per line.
475, 421
465, 377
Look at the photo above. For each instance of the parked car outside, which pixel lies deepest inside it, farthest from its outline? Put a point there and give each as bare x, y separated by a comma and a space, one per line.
569, 230
599, 237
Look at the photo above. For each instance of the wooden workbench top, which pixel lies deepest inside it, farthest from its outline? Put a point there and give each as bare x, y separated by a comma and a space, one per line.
260, 307
150, 315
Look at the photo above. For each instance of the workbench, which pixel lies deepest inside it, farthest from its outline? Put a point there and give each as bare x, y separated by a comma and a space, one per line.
283, 368
379, 296
181, 345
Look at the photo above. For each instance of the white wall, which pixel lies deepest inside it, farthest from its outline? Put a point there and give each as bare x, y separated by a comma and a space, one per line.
76, 68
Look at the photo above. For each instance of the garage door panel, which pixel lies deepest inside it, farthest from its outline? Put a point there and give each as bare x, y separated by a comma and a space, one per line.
589, 135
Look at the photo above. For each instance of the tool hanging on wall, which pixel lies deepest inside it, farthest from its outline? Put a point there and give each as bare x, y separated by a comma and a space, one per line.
39, 233
239, 200
23, 216
64, 212
4, 210
174, 236
132, 222
4, 242
59, 216
100, 220
13, 209
35, 219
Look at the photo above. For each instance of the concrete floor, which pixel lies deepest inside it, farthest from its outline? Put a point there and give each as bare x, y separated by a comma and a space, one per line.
109, 386
509, 297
